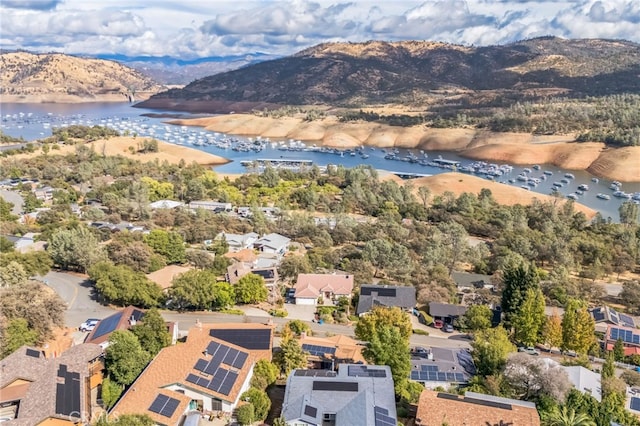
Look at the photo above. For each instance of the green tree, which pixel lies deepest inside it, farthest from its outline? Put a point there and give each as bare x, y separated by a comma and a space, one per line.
490, 350
630, 295
291, 266
260, 401
609, 367
618, 351
193, 290
518, 277
389, 347
265, 374
5, 211
76, 248
245, 414
124, 357
17, 334
565, 416
168, 244
33, 262
12, 274
477, 317
629, 213
111, 391
152, 332
298, 327
290, 357
386, 255
251, 289
552, 332
380, 316
122, 285
578, 327
529, 320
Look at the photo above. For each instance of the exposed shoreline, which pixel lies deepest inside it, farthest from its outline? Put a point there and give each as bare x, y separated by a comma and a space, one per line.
622, 164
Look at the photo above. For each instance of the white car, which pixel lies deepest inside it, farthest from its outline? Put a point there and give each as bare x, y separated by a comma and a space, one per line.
89, 324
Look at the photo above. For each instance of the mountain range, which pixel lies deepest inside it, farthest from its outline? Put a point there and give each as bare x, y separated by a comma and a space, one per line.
419, 73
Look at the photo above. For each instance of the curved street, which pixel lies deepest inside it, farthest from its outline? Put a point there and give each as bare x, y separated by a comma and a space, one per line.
77, 291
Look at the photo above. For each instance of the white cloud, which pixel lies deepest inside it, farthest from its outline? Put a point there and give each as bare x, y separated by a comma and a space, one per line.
193, 28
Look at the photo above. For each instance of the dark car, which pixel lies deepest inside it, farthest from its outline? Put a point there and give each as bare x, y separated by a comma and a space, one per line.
448, 328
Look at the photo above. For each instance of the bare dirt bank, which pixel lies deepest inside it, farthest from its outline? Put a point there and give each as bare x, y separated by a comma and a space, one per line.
516, 148
128, 147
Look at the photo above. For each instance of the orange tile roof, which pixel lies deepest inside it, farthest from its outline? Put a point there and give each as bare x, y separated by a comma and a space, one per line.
171, 367
436, 409
347, 349
311, 285
164, 277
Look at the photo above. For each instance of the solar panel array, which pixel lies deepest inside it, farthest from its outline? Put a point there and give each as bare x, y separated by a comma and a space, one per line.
218, 378
164, 405
33, 353
626, 320
107, 325
335, 386
380, 290
68, 393
635, 404
431, 373
364, 371
310, 411
598, 315
319, 350
627, 336
254, 339
314, 373
382, 417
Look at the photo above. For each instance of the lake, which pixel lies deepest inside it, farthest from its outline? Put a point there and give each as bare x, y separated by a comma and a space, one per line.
34, 121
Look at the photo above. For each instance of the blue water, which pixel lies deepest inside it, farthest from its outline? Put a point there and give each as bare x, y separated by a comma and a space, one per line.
34, 121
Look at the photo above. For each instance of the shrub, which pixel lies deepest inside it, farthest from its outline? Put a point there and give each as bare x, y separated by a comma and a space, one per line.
280, 313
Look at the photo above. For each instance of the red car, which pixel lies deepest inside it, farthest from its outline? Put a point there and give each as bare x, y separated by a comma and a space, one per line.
438, 324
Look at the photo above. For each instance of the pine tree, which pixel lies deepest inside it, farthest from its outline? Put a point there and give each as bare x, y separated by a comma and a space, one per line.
529, 320
517, 279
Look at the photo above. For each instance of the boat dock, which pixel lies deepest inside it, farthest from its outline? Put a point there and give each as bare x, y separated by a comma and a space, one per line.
277, 163
408, 175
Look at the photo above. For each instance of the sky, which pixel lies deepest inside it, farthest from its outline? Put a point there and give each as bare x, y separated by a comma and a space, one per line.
191, 29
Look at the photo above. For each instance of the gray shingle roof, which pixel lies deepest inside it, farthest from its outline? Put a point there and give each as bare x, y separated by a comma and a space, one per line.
437, 309
378, 295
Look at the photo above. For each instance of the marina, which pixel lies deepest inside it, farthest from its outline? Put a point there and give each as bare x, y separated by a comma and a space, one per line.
34, 121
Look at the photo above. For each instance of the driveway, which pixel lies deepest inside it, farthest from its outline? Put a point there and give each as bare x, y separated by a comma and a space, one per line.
15, 198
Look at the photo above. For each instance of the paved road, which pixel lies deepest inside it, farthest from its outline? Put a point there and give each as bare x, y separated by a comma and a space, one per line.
15, 198
77, 292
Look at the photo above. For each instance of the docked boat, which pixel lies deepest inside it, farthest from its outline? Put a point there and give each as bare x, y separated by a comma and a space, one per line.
569, 176
548, 172
583, 187
572, 196
603, 196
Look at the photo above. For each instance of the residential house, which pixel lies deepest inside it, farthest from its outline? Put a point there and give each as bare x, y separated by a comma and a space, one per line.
166, 204
584, 380
269, 212
275, 244
203, 376
164, 277
237, 242
474, 409
214, 206
441, 367
26, 242
325, 287
329, 352
630, 338
445, 312
44, 193
466, 281
53, 391
123, 320
605, 316
378, 295
355, 395
238, 270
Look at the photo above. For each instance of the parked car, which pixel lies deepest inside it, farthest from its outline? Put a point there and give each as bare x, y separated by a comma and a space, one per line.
438, 323
529, 350
448, 328
89, 324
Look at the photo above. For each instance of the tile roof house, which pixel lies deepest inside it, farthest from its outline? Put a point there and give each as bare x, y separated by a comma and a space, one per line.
206, 374
164, 277
238, 242
355, 395
328, 352
238, 270
474, 409
377, 295
446, 312
630, 339
604, 316
62, 391
329, 287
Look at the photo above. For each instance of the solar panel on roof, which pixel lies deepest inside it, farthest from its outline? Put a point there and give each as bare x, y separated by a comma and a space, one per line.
170, 407
442, 377
598, 315
310, 411
231, 356
217, 359
107, 325
382, 417
614, 333
424, 376
228, 383
459, 377
201, 364
432, 376
635, 404
254, 339
68, 394
364, 371
217, 379
636, 339
381, 291
381, 410
335, 386
240, 359
33, 353
192, 378
415, 375
158, 403
212, 347
626, 320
